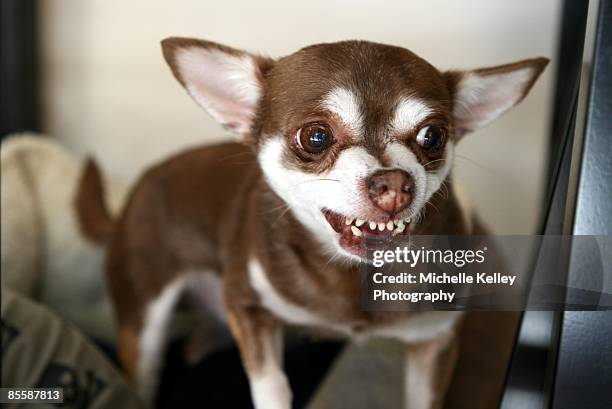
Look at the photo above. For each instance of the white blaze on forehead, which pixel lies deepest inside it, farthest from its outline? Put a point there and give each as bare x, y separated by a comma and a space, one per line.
409, 113
345, 104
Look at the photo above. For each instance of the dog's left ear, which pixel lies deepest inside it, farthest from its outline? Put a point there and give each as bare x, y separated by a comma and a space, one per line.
482, 95
226, 82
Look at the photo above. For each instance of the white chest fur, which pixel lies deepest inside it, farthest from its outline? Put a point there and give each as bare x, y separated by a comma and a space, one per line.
421, 327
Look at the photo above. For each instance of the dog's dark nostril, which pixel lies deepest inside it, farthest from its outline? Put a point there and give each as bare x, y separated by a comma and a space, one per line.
377, 186
390, 190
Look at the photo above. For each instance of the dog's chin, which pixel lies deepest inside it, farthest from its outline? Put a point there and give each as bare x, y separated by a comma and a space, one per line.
352, 232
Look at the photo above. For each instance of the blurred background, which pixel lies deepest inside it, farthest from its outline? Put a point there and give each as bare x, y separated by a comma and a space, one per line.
90, 77
106, 91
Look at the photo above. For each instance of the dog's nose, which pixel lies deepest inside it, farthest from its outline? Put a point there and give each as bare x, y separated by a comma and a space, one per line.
390, 190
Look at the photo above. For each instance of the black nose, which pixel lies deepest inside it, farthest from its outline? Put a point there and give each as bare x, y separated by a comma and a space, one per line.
390, 190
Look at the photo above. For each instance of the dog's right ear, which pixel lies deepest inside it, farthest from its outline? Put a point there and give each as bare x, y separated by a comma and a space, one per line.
226, 82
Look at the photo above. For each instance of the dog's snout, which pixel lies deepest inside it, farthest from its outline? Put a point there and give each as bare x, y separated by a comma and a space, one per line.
390, 190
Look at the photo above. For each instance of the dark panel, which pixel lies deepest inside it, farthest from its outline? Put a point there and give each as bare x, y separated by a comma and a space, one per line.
570, 48
584, 371
19, 88
531, 376
532, 369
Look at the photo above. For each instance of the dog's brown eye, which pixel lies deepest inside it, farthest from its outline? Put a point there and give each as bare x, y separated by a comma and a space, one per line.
315, 138
431, 137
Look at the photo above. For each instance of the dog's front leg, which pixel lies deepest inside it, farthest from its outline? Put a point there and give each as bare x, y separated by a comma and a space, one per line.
429, 368
260, 340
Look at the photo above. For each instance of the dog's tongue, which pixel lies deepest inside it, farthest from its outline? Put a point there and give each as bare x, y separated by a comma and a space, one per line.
347, 238
336, 221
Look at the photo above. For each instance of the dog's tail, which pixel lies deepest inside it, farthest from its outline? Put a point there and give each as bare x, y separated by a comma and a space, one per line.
95, 220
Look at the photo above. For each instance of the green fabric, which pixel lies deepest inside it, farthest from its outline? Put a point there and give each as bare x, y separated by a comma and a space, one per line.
41, 350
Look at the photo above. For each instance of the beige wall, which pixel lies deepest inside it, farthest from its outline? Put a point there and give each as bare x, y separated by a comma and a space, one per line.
108, 91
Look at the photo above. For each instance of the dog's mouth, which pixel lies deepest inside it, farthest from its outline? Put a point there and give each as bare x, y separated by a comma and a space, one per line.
354, 230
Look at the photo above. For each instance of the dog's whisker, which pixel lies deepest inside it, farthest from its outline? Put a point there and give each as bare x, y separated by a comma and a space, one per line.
274, 209
284, 212
444, 186
319, 180
251, 162
488, 171
332, 258
300, 185
438, 193
429, 202
235, 155
434, 161
464, 159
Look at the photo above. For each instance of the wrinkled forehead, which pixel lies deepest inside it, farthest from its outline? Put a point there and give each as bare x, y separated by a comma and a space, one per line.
368, 85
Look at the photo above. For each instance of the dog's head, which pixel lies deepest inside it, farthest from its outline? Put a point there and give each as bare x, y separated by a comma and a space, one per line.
355, 136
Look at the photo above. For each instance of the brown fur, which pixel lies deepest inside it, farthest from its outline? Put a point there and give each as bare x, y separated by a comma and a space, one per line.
94, 218
211, 208
184, 204
385, 74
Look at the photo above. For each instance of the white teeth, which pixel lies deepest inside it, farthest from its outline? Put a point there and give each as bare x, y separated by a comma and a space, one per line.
390, 225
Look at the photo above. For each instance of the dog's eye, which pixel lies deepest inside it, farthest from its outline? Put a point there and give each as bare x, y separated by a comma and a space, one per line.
431, 137
315, 138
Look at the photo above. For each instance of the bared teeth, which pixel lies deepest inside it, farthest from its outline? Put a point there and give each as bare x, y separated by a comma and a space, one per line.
393, 226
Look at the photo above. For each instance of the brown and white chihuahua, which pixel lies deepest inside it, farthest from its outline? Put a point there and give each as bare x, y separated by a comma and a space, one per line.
340, 142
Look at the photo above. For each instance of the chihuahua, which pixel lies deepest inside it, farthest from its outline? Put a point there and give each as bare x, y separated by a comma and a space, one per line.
339, 142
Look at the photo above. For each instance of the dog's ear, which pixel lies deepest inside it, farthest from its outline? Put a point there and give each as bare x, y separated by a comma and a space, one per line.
226, 82
482, 95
